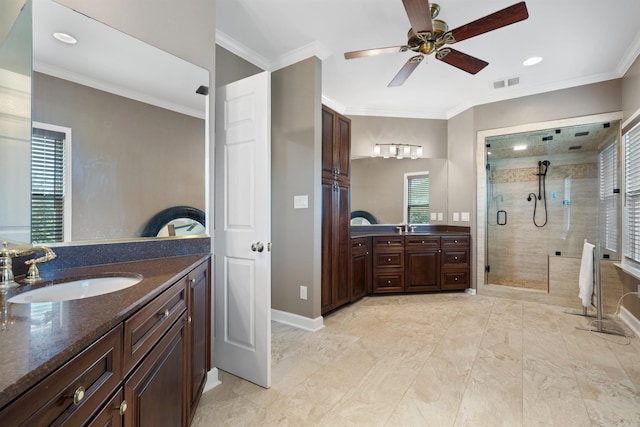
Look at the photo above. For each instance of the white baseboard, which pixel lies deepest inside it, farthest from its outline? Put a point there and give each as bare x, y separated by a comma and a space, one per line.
470, 291
630, 320
295, 320
212, 380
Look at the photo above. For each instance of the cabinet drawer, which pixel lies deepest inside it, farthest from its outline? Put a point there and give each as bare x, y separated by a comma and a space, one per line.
359, 246
457, 258
72, 394
388, 282
388, 260
143, 330
112, 412
455, 280
422, 242
388, 242
455, 241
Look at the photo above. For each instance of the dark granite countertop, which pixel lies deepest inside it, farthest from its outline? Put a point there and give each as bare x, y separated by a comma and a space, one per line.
36, 339
421, 230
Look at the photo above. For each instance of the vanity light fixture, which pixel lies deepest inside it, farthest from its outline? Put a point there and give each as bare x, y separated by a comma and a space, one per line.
399, 151
65, 38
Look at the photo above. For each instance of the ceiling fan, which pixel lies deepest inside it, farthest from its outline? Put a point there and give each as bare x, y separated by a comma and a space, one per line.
428, 35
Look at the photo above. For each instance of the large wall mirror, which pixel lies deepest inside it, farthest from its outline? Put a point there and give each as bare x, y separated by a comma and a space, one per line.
132, 124
378, 187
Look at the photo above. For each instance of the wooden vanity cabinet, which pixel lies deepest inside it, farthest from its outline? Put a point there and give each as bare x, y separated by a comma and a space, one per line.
147, 371
360, 267
388, 264
422, 263
456, 262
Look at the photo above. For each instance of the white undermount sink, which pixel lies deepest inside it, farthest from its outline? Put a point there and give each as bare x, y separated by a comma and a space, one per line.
77, 289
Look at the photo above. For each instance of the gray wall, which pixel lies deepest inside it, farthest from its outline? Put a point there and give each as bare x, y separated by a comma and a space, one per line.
130, 159
230, 67
295, 170
377, 186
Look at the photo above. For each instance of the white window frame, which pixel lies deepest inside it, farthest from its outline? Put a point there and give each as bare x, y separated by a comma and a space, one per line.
68, 173
405, 205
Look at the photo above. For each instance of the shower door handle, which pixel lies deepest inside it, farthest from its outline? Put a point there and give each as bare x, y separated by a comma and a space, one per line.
501, 218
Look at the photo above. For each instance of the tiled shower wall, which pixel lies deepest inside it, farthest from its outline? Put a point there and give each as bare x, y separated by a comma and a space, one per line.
518, 252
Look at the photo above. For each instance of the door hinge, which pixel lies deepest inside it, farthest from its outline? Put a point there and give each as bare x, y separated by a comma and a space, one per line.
488, 167
487, 268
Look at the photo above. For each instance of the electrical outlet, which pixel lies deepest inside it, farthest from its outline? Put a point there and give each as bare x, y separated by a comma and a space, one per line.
303, 292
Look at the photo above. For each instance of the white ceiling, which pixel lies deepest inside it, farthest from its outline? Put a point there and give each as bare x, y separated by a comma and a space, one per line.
581, 41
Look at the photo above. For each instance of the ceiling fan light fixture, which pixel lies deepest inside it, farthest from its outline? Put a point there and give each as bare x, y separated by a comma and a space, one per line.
532, 61
65, 38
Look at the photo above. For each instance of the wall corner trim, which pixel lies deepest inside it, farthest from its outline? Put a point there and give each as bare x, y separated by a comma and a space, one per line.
212, 380
297, 321
630, 320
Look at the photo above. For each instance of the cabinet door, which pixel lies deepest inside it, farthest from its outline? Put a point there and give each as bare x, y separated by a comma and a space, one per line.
329, 168
422, 270
155, 392
342, 151
199, 332
328, 236
361, 267
342, 250
112, 413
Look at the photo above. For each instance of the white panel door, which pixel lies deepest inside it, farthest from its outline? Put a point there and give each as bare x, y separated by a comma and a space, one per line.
243, 230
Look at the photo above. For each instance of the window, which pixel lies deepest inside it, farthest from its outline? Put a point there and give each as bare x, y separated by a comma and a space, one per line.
608, 223
50, 184
417, 198
632, 194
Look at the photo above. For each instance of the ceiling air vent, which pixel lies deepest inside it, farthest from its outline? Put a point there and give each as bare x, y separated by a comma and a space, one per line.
585, 133
508, 82
547, 138
575, 147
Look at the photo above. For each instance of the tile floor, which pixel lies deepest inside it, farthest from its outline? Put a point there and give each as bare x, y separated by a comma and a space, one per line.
438, 360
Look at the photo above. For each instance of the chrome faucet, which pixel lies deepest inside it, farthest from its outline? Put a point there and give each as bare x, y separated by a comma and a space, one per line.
6, 266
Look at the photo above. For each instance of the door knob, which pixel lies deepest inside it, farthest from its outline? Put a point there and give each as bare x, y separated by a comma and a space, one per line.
257, 247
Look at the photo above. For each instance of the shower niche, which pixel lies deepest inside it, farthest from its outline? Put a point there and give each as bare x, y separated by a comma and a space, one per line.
548, 191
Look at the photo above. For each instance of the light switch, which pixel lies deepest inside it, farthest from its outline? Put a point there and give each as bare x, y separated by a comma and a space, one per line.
440, 216
464, 216
434, 216
301, 202
456, 216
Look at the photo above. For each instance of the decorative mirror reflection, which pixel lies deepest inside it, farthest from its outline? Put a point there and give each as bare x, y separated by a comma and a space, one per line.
136, 128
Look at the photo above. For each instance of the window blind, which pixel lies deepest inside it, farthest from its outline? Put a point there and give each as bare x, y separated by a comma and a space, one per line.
418, 200
632, 193
608, 223
47, 186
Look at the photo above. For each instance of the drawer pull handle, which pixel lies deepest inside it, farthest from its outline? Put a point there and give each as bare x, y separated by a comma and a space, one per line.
164, 314
423, 242
360, 244
78, 395
389, 282
455, 241
455, 257
122, 408
388, 242
192, 281
455, 279
389, 259
189, 317
367, 253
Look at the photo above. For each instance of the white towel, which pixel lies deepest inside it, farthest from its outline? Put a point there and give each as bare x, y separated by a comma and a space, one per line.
586, 275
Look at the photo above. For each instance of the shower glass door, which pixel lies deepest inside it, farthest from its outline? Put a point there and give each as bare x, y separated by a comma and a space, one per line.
544, 197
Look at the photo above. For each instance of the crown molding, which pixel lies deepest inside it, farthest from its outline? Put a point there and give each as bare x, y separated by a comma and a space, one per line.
242, 51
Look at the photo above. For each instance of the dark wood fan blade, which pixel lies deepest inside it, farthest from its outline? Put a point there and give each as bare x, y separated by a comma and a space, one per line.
502, 18
419, 15
374, 52
406, 71
461, 60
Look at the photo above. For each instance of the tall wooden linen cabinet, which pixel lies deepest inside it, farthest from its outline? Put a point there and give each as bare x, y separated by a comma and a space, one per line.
336, 187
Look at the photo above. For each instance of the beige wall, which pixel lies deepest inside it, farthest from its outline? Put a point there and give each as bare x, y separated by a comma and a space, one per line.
10, 11
231, 68
631, 90
295, 170
130, 159
377, 186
